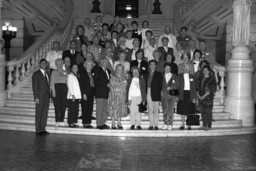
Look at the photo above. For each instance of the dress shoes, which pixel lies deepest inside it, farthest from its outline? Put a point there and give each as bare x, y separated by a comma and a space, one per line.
181, 128
139, 128
156, 128
88, 126
151, 128
132, 127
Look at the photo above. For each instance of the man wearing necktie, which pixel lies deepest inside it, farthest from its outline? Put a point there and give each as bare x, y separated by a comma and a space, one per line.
71, 53
41, 91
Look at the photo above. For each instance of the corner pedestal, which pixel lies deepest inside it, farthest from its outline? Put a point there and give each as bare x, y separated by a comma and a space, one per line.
239, 101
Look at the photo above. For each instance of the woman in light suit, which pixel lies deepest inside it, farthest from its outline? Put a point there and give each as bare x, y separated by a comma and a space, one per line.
74, 96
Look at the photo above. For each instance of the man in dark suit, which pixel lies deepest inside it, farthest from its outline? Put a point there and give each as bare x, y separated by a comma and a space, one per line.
154, 86
141, 64
41, 91
87, 87
165, 49
71, 53
101, 80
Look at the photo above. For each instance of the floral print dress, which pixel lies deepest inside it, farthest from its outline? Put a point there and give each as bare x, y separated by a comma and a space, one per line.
117, 106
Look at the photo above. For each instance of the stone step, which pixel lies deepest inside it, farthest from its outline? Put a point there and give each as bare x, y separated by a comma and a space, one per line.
31, 103
195, 132
125, 123
51, 114
30, 106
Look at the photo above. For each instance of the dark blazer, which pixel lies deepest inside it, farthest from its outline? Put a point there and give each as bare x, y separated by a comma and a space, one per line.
164, 53
41, 88
72, 57
173, 83
119, 50
156, 86
136, 35
142, 89
101, 80
84, 81
192, 86
143, 68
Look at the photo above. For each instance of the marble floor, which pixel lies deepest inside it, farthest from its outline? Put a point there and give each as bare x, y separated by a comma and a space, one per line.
23, 151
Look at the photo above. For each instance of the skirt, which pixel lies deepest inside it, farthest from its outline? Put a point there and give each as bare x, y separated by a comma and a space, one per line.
185, 106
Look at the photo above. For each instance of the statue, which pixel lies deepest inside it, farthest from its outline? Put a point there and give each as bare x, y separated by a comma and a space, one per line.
241, 22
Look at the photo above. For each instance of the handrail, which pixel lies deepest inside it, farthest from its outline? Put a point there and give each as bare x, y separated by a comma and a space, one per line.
19, 70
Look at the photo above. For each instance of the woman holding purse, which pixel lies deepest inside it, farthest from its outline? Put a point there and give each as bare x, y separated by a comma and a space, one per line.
187, 95
135, 95
169, 95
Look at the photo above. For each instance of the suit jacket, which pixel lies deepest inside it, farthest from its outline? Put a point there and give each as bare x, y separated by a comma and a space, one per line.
143, 68
164, 53
111, 67
84, 81
156, 86
72, 57
41, 87
101, 80
173, 83
192, 86
142, 89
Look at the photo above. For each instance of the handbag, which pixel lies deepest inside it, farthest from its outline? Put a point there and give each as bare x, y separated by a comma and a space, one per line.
142, 108
174, 92
193, 120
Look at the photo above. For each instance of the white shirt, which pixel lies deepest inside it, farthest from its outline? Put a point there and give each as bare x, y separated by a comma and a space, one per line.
129, 44
172, 41
148, 52
196, 65
44, 73
145, 43
133, 54
106, 71
168, 76
52, 56
186, 81
134, 90
73, 87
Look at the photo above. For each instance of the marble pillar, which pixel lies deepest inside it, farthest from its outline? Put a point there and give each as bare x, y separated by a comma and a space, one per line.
239, 101
3, 94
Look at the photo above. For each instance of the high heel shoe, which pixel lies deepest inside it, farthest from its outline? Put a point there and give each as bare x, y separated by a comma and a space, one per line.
119, 127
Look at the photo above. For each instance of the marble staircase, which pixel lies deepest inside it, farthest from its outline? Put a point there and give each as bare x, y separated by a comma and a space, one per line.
19, 112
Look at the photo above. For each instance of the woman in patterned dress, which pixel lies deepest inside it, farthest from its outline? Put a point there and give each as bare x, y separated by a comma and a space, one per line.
117, 107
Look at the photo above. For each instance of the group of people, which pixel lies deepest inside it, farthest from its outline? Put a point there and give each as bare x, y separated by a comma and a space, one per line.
125, 68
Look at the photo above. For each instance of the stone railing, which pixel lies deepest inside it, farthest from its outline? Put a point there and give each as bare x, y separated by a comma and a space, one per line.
18, 71
220, 73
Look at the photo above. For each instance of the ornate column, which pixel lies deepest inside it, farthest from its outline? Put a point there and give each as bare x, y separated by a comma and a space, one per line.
3, 94
239, 101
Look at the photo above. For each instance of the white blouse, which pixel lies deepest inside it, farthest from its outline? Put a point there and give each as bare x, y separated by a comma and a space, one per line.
73, 87
134, 90
186, 81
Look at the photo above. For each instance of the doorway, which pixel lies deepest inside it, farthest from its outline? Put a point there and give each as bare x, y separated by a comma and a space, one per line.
127, 8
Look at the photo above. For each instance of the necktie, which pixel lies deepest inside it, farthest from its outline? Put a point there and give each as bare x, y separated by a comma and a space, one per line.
46, 78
